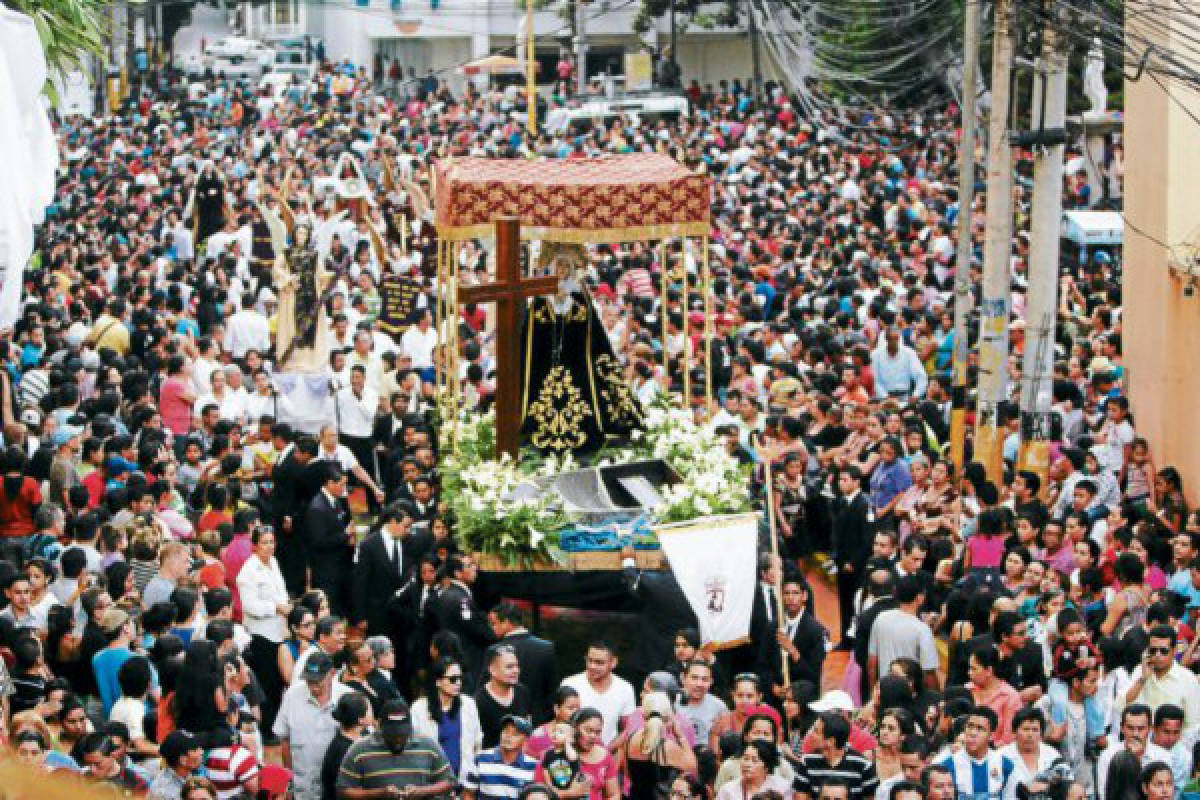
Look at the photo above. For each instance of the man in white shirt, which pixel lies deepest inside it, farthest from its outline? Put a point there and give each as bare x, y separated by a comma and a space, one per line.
600, 689
247, 330
1135, 737
357, 405
372, 364
1028, 752
418, 342
330, 450
203, 366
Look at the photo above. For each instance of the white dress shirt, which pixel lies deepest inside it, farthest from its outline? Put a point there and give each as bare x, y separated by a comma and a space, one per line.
262, 591
356, 414
247, 330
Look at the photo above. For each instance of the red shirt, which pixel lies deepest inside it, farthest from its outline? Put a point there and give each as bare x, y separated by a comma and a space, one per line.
16, 513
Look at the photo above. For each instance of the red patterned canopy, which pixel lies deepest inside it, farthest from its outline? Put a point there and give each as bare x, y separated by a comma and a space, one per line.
610, 198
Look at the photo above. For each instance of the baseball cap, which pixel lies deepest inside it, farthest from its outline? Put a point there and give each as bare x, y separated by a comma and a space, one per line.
520, 723
396, 721
66, 433
116, 465
833, 700
317, 667
274, 779
112, 620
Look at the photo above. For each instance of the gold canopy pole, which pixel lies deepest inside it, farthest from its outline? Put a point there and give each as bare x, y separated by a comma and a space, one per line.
706, 287
665, 275
452, 337
687, 336
439, 311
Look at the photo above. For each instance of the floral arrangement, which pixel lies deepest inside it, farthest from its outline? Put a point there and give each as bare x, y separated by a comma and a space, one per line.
479, 488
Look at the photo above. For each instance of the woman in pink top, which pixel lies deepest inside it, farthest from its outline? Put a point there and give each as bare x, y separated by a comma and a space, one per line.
566, 703
177, 396
596, 764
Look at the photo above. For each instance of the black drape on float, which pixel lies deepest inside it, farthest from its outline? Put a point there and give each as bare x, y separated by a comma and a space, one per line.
574, 395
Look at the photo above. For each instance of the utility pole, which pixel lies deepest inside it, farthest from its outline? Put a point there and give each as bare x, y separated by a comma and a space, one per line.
530, 71
963, 299
754, 55
674, 36
997, 249
581, 45
1042, 298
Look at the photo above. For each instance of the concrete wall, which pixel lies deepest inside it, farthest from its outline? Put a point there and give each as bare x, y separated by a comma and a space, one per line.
1162, 326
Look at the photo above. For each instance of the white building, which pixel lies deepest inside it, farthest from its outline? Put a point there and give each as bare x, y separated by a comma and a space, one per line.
439, 35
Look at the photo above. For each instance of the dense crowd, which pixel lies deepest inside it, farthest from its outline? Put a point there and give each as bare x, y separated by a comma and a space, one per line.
192, 612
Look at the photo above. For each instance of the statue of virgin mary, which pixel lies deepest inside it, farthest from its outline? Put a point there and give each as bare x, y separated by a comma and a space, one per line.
574, 396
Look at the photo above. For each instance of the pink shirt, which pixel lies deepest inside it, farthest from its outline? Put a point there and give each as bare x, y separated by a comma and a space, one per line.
986, 551
236, 554
176, 412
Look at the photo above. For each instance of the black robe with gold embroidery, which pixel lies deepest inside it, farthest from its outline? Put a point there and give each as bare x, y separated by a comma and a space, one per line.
574, 396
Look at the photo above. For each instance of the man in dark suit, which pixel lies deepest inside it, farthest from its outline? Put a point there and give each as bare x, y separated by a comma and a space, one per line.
539, 666
455, 611
764, 621
329, 541
800, 635
664, 611
387, 560
852, 525
293, 489
387, 436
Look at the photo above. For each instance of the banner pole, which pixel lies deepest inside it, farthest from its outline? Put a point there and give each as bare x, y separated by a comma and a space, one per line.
770, 481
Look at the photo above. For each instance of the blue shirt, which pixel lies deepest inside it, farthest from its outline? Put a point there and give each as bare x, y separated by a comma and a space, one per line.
450, 738
990, 778
106, 664
492, 778
887, 481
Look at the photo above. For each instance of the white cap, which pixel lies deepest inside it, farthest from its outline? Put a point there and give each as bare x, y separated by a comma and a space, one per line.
833, 700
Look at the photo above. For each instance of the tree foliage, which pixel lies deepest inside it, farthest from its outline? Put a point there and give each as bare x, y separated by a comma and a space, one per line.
69, 30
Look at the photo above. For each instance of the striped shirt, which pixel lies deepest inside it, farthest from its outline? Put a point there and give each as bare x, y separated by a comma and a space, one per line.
229, 768
989, 778
495, 779
857, 772
369, 764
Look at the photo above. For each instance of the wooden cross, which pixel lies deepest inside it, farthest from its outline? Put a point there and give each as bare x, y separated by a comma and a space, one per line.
507, 293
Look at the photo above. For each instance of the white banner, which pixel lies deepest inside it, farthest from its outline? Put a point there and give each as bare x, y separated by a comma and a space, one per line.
715, 562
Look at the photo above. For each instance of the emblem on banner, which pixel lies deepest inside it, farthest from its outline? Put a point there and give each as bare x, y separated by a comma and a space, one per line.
714, 590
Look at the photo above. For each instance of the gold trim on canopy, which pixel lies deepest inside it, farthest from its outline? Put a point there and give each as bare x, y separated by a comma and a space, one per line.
485, 231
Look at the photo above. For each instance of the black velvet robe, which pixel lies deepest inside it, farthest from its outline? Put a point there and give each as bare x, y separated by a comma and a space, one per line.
573, 393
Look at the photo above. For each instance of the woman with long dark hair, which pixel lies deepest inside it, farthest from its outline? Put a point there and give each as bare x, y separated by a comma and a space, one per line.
200, 701
448, 716
20, 498
302, 625
353, 715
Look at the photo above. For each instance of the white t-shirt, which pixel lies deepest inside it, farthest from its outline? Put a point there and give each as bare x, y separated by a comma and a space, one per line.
616, 703
132, 712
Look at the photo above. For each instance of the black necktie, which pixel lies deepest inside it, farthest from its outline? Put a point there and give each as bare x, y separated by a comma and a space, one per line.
395, 553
